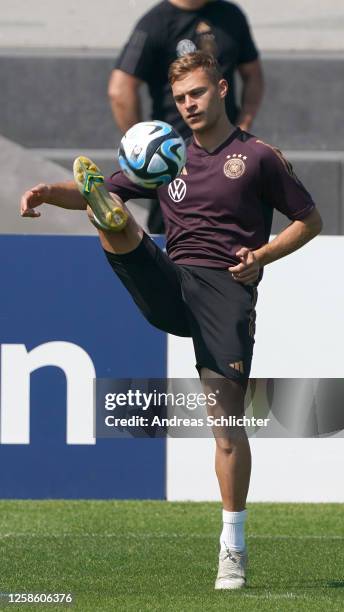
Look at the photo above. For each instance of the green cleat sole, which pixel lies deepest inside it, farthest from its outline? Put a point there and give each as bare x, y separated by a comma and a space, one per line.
90, 182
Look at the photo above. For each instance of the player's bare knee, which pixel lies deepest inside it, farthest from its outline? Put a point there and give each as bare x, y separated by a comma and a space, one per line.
227, 441
225, 445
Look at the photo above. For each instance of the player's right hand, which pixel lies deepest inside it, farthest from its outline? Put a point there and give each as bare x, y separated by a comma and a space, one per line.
32, 198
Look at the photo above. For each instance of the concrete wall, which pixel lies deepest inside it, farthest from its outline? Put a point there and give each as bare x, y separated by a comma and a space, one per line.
296, 24
60, 100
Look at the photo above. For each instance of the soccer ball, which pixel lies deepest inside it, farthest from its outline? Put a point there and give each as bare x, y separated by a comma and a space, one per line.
152, 153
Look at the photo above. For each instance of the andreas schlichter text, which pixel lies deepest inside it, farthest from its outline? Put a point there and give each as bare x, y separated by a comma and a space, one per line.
210, 421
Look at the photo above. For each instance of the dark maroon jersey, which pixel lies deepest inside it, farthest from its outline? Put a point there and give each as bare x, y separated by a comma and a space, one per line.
223, 200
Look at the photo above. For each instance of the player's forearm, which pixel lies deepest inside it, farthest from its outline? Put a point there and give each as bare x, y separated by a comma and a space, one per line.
289, 240
126, 109
65, 195
252, 95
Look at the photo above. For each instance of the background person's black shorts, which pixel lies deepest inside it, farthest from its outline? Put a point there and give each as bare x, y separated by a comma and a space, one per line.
203, 303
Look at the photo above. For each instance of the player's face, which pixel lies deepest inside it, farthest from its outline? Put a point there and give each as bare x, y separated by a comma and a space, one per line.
199, 100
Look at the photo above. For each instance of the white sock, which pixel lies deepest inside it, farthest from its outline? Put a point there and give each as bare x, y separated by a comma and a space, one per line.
233, 532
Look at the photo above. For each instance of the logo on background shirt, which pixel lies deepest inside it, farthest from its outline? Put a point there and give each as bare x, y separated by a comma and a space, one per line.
177, 190
185, 46
235, 166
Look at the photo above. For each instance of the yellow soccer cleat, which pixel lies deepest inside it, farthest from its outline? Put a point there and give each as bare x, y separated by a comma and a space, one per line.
90, 182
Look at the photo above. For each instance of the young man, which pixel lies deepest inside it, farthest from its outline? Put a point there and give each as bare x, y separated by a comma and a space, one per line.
218, 216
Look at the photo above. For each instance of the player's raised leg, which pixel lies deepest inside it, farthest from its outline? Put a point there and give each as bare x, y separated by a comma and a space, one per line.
233, 468
148, 274
118, 231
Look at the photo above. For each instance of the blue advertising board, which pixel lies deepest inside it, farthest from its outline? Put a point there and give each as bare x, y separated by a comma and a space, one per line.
65, 317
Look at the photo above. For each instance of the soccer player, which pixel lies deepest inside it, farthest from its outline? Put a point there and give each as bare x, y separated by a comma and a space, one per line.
218, 216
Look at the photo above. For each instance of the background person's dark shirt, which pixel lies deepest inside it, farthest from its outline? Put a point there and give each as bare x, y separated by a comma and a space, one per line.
219, 27
224, 200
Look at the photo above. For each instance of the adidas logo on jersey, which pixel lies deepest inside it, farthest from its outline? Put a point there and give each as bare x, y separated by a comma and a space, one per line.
238, 366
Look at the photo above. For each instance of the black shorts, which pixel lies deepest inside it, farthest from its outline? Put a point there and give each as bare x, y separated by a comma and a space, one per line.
199, 302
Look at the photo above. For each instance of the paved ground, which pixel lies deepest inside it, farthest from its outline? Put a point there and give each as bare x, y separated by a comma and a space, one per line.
278, 25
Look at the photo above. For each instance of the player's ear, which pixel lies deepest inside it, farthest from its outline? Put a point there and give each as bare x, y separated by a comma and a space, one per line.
223, 88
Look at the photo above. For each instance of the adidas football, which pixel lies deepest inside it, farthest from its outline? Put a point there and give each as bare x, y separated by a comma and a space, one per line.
152, 153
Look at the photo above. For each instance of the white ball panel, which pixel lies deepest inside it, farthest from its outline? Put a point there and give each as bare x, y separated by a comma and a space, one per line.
157, 164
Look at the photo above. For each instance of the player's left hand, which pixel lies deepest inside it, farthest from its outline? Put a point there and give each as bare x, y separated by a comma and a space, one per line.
247, 271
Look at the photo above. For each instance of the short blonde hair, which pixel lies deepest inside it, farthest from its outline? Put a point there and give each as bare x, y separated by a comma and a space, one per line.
191, 61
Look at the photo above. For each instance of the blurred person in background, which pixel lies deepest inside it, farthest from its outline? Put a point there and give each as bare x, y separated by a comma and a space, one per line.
170, 30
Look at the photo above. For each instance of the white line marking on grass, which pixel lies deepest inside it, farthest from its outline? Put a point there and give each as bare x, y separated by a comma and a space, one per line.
270, 595
148, 536
296, 537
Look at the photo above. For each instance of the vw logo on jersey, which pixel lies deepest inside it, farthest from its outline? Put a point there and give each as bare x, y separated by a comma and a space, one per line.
177, 190
185, 46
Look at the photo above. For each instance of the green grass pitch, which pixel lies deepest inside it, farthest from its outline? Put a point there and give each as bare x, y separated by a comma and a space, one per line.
119, 555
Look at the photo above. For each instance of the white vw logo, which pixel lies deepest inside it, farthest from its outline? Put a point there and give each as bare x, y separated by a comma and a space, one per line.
177, 190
